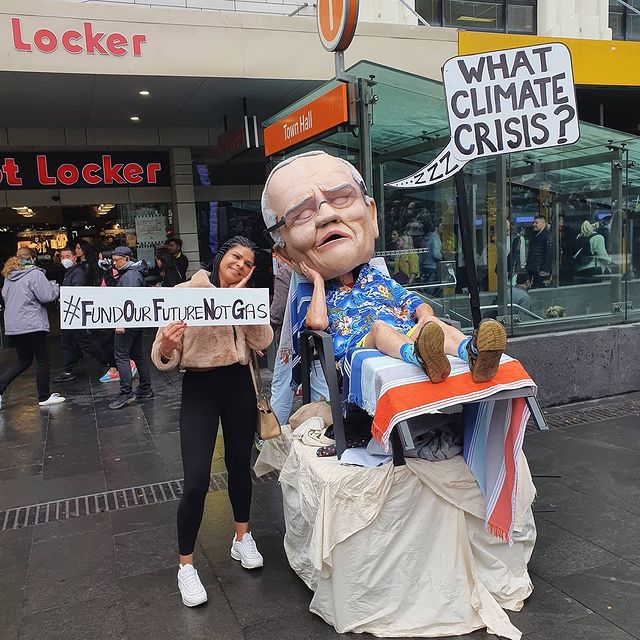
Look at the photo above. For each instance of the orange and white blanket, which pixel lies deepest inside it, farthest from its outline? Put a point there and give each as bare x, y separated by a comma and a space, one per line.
392, 391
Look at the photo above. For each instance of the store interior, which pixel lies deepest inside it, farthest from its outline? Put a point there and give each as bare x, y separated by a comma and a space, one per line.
103, 225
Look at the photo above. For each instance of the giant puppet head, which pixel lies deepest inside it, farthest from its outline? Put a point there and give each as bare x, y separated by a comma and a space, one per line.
317, 210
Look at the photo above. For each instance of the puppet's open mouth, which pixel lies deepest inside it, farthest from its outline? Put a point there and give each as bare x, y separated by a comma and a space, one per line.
332, 237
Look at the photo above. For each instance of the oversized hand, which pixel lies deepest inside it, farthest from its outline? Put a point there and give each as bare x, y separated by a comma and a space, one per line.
310, 274
172, 337
243, 282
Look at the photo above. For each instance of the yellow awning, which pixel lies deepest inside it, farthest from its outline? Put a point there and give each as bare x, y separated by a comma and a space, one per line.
595, 62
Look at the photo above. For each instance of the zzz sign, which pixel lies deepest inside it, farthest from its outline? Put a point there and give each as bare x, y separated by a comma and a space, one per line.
502, 102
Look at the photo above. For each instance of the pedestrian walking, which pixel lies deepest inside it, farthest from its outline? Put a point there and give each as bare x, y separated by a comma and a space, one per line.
108, 277
128, 342
216, 386
76, 343
26, 291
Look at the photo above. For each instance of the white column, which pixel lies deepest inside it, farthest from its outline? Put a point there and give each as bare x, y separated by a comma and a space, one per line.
574, 19
606, 33
184, 205
387, 12
548, 18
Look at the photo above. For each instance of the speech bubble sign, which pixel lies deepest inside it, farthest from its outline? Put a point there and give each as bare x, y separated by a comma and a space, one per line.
503, 102
115, 307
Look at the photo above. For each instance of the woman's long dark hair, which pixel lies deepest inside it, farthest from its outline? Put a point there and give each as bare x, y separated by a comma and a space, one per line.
236, 241
90, 262
167, 263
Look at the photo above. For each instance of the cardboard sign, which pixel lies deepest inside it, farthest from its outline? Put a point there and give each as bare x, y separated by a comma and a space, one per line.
141, 307
503, 102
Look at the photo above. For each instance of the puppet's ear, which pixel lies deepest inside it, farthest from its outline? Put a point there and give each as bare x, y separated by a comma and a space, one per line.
373, 212
282, 253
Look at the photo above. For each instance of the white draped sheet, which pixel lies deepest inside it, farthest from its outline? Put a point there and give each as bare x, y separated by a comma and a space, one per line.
400, 551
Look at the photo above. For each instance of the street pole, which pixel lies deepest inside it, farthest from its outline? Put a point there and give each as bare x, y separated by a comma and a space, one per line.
467, 248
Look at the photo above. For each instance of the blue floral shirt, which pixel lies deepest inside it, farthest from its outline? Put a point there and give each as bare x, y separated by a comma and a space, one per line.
373, 296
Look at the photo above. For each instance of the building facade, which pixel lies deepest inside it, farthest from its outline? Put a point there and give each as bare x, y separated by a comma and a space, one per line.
126, 122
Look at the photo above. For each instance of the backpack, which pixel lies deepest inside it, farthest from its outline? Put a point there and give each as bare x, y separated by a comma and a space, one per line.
582, 253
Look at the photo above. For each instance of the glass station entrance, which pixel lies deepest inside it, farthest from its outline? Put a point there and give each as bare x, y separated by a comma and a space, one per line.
566, 215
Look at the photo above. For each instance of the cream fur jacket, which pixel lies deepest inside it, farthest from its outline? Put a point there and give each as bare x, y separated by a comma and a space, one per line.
205, 348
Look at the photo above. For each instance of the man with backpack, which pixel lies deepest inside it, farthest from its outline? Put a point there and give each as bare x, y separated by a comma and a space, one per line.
128, 342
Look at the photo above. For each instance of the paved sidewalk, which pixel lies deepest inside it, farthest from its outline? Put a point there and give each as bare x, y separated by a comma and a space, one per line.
111, 575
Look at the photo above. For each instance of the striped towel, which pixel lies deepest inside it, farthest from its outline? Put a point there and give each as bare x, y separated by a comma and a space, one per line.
392, 391
493, 436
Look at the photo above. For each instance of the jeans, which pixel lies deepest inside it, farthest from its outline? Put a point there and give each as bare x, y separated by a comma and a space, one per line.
282, 393
77, 343
105, 340
29, 345
128, 346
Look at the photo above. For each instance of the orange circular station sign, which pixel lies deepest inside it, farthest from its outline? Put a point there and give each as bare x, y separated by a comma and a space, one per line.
337, 20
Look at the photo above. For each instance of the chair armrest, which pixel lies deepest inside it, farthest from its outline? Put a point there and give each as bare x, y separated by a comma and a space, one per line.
321, 341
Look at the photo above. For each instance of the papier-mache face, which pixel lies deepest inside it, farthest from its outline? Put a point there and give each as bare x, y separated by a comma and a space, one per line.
329, 224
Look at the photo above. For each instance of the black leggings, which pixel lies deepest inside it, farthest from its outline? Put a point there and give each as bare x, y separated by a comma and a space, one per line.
224, 394
28, 345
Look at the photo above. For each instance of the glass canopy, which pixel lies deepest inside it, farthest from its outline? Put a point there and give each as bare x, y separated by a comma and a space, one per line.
595, 181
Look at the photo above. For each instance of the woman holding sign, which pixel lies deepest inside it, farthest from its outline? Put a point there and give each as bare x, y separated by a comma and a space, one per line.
217, 386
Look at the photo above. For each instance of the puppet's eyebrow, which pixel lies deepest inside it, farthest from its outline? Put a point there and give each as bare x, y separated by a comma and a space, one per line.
340, 187
299, 205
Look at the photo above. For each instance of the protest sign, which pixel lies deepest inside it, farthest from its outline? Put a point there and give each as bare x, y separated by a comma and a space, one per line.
502, 102
110, 308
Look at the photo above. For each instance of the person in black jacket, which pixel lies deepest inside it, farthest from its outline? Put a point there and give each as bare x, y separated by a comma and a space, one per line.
128, 342
76, 343
539, 257
169, 274
174, 245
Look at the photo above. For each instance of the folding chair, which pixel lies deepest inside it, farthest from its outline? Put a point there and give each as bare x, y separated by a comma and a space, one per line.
401, 436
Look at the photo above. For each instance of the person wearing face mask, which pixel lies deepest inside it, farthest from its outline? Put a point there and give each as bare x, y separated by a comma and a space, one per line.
26, 291
76, 343
128, 342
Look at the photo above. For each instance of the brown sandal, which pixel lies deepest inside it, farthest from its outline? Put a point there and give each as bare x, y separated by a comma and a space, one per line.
490, 341
429, 348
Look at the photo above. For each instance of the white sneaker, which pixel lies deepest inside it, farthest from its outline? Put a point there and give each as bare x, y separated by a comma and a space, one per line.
54, 398
246, 551
191, 589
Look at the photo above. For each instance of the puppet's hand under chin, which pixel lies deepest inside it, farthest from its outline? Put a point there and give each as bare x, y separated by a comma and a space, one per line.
310, 274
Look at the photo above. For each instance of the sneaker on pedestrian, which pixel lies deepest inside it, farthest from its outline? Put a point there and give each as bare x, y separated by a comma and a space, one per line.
191, 589
121, 400
134, 369
54, 398
65, 376
246, 551
144, 395
110, 376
